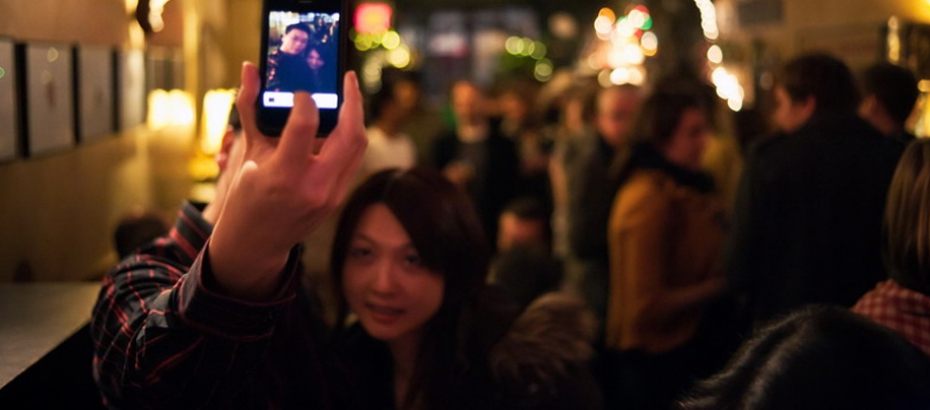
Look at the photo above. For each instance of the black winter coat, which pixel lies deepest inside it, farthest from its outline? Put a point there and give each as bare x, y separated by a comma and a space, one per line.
808, 216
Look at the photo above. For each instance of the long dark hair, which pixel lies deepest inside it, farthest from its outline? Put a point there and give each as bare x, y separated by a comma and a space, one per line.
819, 357
448, 236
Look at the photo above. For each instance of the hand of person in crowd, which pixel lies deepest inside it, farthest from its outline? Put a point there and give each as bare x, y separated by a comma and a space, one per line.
284, 189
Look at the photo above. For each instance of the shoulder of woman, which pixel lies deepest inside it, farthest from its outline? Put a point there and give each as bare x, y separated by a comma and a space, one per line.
546, 343
645, 189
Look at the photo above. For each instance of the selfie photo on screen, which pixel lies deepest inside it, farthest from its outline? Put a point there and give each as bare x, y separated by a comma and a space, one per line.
302, 55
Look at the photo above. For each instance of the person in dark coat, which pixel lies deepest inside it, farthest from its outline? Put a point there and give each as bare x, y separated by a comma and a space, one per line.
890, 92
591, 188
807, 221
476, 157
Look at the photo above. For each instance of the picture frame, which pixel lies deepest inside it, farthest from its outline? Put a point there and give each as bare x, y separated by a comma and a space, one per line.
131, 86
9, 115
95, 102
164, 68
48, 79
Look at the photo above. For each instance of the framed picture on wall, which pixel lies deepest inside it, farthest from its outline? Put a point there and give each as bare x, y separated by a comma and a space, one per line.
95, 93
131, 75
8, 112
49, 98
163, 68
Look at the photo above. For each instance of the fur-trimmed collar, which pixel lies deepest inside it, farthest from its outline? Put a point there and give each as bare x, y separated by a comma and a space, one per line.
553, 335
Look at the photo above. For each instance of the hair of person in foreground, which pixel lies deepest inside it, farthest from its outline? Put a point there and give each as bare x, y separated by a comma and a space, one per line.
819, 358
907, 219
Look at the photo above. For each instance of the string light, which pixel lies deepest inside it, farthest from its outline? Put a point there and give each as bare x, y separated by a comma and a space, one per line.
715, 54
708, 18
627, 42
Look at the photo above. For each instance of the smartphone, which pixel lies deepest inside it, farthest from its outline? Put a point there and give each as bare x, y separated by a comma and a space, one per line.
303, 48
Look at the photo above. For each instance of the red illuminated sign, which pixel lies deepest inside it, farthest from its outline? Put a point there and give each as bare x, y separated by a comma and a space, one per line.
373, 18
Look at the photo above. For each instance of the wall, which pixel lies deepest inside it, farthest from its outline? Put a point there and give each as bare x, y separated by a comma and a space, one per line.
57, 212
849, 27
240, 37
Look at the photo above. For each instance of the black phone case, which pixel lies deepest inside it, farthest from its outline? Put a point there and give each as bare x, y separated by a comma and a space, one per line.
271, 121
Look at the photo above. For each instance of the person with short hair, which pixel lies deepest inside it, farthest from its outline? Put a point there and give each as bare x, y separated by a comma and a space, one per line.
288, 69
388, 145
807, 218
135, 230
902, 303
818, 358
524, 265
476, 157
890, 92
591, 185
524, 222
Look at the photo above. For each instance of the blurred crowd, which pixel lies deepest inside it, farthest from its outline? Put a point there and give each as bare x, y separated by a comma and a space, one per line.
751, 260
685, 226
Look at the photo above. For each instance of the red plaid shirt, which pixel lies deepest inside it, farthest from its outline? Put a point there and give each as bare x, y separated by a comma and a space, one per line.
905, 311
166, 338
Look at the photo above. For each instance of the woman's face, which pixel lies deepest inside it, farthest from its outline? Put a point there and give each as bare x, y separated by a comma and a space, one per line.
686, 146
314, 60
384, 280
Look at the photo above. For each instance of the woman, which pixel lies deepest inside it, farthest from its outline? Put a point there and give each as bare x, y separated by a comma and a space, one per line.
411, 259
902, 302
665, 236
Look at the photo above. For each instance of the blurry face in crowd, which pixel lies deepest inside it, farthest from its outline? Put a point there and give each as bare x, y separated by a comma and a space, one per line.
790, 115
314, 60
513, 107
466, 102
294, 42
616, 114
385, 283
686, 146
406, 96
514, 231
574, 115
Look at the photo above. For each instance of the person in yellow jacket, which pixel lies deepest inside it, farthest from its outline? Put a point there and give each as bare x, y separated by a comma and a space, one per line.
665, 240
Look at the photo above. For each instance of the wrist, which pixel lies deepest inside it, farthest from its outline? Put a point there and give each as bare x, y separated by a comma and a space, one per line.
249, 273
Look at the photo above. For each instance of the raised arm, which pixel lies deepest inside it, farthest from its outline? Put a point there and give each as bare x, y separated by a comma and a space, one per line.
184, 323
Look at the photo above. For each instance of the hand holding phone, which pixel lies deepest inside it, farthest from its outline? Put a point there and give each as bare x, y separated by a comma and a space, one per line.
303, 49
285, 188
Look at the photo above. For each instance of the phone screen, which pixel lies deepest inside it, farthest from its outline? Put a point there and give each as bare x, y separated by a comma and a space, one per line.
302, 55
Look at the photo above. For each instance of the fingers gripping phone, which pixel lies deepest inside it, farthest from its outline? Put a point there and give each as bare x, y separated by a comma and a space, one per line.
303, 48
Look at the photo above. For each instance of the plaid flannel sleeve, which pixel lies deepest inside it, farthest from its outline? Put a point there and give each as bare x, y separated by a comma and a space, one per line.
166, 338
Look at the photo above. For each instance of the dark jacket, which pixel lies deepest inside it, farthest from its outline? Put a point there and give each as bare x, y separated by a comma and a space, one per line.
536, 360
808, 216
290, 72
591, 190
496, 179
